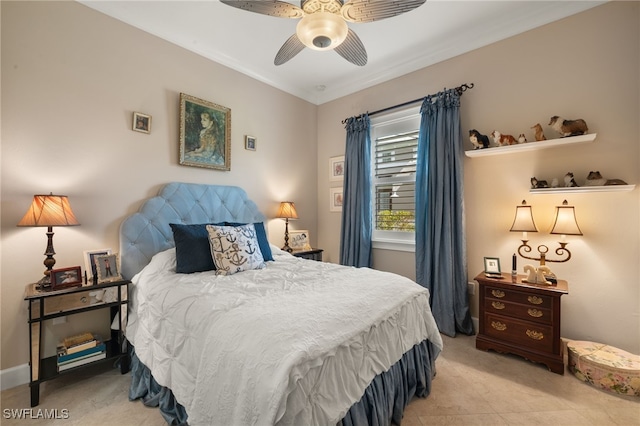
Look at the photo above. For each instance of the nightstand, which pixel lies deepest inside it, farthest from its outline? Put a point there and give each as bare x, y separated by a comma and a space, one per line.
46, 305
521, 319
313, 254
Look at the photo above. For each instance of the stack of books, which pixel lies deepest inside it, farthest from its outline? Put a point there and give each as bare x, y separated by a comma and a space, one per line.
79, 350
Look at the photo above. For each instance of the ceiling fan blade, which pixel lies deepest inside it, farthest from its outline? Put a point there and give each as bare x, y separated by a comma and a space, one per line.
289, 49
375, 10
280, 9
353, 50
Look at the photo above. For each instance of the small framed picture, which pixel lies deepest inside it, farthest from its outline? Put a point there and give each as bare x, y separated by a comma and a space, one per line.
299, 240
108, 268
336, 168
335, 199
66, 277
141, 122
250, 143
492, 266
90, 261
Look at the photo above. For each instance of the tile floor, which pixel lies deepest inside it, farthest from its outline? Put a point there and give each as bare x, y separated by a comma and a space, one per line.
471, 388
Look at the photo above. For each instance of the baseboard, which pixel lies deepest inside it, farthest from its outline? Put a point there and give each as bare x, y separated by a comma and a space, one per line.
14, 376
476, 324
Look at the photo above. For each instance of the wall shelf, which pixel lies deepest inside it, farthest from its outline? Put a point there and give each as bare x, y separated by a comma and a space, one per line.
566, 190
531, 146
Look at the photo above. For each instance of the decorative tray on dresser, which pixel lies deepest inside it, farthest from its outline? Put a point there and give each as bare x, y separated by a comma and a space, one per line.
521, 319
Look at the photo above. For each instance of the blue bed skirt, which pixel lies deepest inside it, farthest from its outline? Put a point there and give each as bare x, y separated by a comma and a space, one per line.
382, 404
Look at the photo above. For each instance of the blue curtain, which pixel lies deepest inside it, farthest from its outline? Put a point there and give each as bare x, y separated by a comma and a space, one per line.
355, 236
440, 235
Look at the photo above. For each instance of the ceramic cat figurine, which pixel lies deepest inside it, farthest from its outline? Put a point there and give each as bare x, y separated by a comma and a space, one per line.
539, 134
569, 181
503, 140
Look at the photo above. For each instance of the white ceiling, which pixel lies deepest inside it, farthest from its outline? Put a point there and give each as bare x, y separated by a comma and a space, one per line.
248, 42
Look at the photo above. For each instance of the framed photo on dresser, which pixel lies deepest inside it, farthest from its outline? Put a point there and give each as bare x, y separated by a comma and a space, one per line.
492, 265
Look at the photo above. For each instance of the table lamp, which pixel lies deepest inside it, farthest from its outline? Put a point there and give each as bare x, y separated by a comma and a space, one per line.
287, 211
49, 210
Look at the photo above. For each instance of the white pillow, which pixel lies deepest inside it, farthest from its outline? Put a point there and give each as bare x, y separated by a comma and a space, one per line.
234, 248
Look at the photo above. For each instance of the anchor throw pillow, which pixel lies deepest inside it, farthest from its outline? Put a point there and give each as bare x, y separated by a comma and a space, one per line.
234, 248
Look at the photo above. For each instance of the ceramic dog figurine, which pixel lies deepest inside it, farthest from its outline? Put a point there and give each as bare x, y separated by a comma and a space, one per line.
539, 134
503, 140
596, 179
535, 183
568, 127
478, 140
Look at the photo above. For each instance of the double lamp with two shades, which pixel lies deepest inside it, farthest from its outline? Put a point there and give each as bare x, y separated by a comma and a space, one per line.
564, 224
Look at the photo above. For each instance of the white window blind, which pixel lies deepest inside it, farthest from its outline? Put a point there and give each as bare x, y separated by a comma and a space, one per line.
395, 150
395, 176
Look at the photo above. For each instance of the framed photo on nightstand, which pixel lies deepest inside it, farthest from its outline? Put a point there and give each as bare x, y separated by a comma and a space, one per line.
90, 261
66, 277
108, 268
299, 240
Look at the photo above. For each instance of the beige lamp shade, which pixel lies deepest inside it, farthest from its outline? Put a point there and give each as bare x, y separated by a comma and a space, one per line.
565, 223
49, 210
287, 210
523, 222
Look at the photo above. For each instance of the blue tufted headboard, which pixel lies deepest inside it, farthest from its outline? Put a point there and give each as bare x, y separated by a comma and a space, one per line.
147, 232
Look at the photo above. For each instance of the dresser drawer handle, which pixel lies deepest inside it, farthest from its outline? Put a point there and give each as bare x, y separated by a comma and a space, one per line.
500, 326
535, 313
84, 299
497, 305
497, 293
535, 300
535, 335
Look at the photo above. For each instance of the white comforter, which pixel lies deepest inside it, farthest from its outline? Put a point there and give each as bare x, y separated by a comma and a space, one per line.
294, 343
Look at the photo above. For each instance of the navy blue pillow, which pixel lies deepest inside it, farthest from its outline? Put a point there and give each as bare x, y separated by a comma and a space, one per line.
193, 253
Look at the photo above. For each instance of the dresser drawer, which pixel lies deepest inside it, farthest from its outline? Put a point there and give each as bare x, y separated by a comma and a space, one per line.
525, 298
527, 334
517, 310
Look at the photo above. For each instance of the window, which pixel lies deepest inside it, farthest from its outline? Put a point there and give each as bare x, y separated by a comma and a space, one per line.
395, 151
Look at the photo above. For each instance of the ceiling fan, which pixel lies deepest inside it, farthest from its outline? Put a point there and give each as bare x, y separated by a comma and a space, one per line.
323, 25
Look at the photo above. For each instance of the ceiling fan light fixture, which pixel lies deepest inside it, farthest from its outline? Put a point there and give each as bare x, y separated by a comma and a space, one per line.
322, 30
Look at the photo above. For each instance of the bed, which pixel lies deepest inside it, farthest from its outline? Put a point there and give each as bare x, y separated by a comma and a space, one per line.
285, 341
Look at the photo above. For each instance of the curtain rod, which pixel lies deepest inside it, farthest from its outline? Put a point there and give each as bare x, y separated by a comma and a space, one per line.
460, 89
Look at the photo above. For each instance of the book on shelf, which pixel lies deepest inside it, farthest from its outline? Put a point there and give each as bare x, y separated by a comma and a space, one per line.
64, 357
79, 343
77, 340
81, 361
81, 347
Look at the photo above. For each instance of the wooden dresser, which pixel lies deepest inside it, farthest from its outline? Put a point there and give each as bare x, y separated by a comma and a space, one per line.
521, 319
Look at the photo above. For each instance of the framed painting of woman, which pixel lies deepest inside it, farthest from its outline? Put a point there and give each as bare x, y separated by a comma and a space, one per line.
205, 134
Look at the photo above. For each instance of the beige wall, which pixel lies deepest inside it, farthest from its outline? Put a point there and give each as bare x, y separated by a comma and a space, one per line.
586, 66
71, 78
